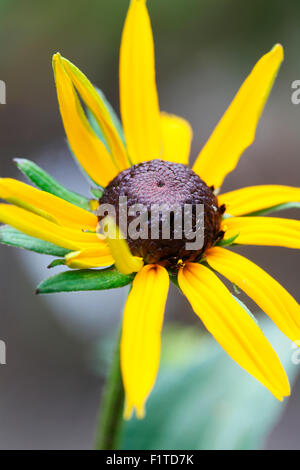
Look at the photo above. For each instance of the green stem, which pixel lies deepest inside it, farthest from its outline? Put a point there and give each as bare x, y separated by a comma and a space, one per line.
111, 412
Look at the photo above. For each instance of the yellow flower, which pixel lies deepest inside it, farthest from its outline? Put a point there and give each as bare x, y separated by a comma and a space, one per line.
150, 135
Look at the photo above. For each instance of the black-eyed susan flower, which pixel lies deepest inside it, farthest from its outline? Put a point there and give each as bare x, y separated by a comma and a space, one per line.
146, 160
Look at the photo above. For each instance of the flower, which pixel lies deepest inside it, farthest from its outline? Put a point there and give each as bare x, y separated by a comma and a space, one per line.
158, 143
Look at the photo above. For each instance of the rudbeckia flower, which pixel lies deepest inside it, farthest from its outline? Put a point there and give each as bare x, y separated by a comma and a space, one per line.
146, 159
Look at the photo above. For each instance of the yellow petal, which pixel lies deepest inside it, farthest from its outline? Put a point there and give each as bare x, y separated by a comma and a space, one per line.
125, 262
38, 227
90, 258
269, 295
138, 94
236, 130
141, 335
232, 327
93, 101
88, 148
41, 202
177, 136
255, 198
268, 231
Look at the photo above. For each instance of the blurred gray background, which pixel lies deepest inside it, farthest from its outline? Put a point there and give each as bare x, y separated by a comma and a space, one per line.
49, 388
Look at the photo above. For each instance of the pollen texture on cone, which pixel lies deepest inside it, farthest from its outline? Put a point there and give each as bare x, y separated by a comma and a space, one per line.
169, 185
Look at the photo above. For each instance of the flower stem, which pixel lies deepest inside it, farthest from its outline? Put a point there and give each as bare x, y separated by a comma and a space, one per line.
111, 412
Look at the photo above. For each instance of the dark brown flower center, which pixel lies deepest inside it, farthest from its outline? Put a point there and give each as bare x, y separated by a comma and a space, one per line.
168, 185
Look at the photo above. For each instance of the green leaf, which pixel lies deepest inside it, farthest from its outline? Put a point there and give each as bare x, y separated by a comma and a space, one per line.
204, 400
44, 181
279, 207
12, 237
84, 280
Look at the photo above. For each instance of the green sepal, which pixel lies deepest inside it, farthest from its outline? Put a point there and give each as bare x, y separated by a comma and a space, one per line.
228, 241
174, 280
277, 208
12, 237
97, 192
56, 262
84, 280
41, 179
236, 289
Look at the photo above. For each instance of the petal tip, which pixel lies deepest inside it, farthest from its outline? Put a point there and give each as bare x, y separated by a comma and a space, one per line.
56, 60
56, 57
129, 410
140, 411
278, 50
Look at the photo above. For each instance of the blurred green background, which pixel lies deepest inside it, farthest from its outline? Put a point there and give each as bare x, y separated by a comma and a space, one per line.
51, 386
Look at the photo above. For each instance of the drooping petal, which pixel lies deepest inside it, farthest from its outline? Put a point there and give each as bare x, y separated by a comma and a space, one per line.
177, 136
141, 335
124, 260
232, 327
91, 257
138, 94
268, 231
236, 130
41, 228
44, 203
98, 108
88, 148
255, 198
269, 295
